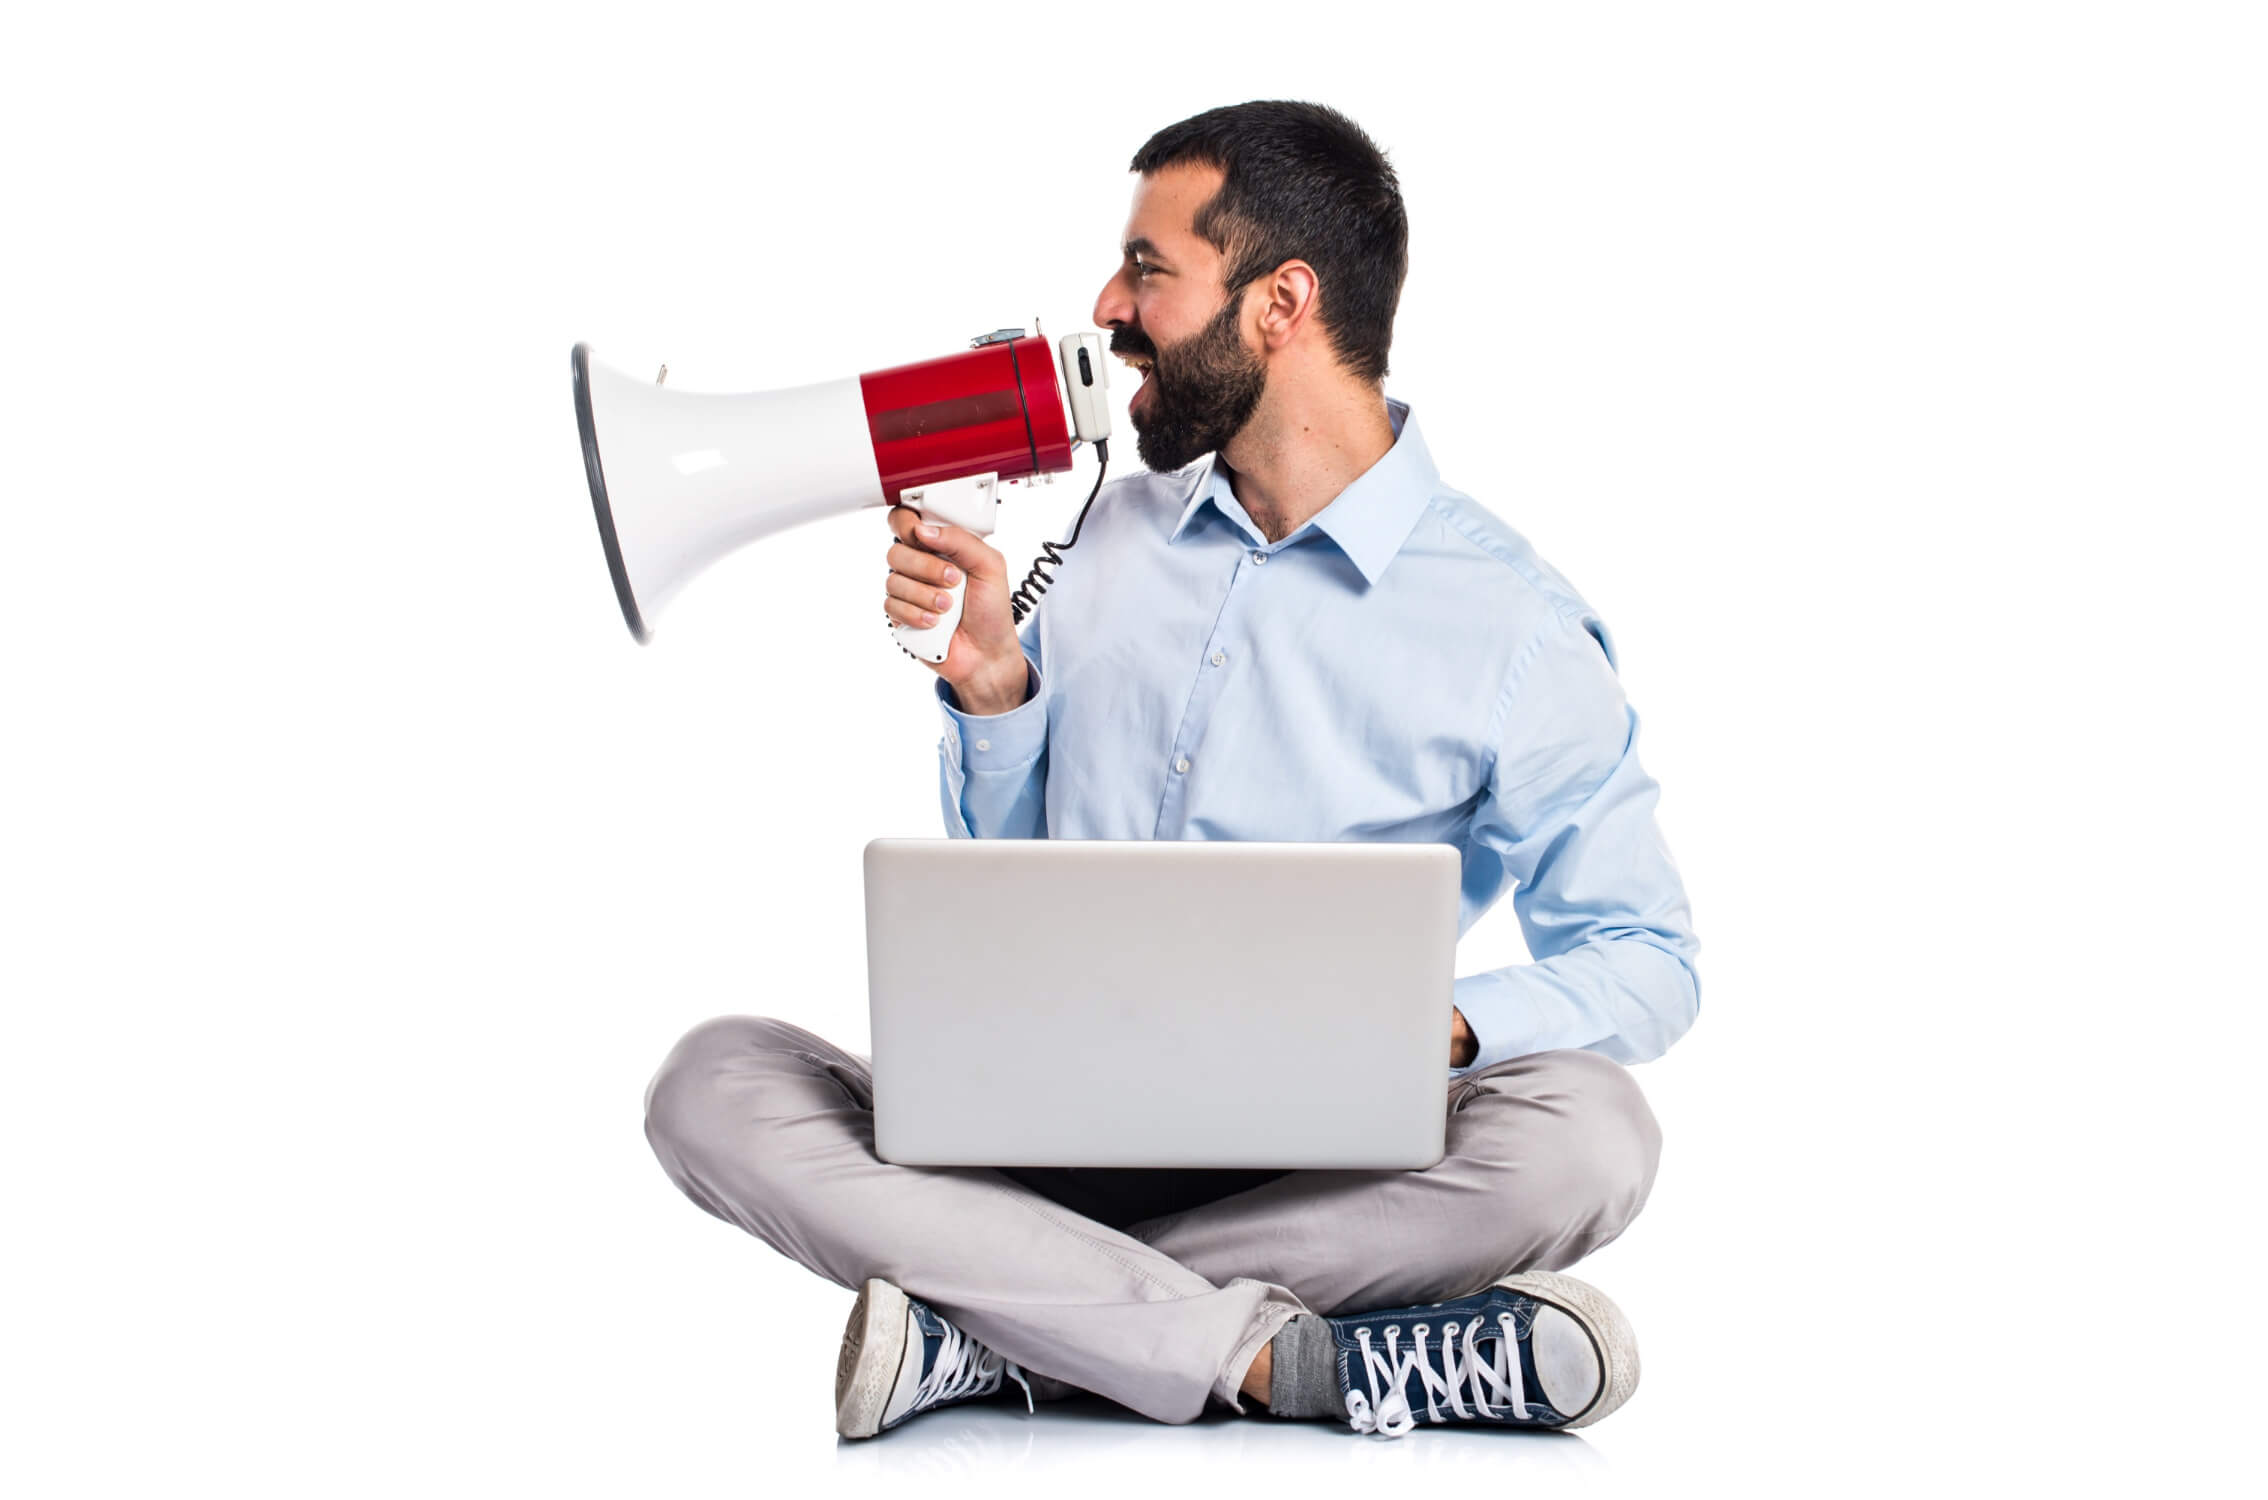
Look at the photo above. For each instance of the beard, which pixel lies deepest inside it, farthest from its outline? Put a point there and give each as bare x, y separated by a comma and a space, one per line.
1202, 392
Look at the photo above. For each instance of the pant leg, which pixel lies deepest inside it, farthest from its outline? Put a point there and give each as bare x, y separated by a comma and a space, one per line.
770, 1127
1549, 1157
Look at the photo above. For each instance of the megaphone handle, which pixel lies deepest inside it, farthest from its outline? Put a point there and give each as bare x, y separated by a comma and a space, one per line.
973, 504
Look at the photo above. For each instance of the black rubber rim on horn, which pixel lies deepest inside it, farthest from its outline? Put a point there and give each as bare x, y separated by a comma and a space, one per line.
596, 473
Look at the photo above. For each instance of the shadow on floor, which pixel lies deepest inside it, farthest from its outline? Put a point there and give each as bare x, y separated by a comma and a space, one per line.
985, 1438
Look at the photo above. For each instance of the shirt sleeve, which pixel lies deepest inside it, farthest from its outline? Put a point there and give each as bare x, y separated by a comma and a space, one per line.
1570, 813
992, 768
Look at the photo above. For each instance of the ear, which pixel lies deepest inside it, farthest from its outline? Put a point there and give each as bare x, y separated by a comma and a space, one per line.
1285, 300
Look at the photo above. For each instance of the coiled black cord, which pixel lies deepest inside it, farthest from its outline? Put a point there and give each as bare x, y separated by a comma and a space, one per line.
1026, 597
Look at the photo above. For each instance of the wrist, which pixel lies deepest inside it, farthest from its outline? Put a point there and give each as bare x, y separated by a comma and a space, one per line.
985, 697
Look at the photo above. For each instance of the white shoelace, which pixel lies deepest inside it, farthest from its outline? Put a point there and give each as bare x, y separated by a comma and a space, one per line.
965, 1367
1389, 1415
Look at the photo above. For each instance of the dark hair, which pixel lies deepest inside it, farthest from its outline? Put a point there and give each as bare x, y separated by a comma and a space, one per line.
1301, 181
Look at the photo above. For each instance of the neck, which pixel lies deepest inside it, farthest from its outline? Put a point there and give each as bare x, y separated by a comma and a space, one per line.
1301, 449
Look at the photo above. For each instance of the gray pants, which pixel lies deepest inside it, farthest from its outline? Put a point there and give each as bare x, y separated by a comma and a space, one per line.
771, 1128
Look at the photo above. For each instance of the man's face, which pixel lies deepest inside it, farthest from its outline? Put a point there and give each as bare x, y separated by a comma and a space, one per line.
1165, 309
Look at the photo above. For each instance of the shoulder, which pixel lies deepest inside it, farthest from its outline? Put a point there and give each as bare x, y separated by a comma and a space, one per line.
1534, 599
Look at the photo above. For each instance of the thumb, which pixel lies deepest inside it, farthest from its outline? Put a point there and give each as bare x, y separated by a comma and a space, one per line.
970, 552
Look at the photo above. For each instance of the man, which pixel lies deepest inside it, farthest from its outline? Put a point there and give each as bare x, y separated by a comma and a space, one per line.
1289, 629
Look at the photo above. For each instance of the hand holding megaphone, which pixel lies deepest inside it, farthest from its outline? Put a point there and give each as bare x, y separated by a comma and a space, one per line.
947, 582
678, 480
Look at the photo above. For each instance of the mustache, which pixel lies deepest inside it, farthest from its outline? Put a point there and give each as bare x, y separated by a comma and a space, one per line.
1123, 342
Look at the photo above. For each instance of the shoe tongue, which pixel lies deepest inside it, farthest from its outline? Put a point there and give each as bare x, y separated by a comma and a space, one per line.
932, 1330
1485, 1343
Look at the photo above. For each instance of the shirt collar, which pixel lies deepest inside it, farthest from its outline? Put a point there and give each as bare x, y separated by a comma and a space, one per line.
1370, 518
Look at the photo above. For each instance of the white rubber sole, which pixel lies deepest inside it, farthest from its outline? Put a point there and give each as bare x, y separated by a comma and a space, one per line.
874, 1344
1609, 1331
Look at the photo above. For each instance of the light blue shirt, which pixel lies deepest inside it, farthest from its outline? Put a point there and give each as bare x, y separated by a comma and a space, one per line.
1402, 668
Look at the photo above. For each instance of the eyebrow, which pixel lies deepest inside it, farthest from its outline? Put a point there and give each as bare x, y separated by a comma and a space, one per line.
1140, 245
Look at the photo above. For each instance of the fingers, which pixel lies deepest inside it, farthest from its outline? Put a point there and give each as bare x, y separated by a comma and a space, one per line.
908, 614
921, 566
920, 595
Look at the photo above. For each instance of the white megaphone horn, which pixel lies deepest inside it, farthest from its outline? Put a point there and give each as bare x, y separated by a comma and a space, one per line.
678, 480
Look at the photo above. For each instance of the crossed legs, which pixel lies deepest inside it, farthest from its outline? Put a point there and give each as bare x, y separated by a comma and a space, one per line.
770, 1127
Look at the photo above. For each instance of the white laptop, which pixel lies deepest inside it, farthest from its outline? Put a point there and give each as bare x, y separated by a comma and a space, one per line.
1136, 1003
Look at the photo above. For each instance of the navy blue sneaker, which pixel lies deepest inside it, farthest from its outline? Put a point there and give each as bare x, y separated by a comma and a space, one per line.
1535, 1350
900, 1358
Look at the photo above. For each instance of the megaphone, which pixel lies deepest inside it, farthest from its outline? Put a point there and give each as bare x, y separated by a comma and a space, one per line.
680, 479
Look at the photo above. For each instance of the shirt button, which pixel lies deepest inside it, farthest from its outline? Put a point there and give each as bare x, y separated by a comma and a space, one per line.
984, 744
1259, 557
1181, 764
1220, 658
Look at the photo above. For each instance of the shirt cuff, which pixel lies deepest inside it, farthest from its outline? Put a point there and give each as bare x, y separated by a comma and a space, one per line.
1485, 1005
997, 742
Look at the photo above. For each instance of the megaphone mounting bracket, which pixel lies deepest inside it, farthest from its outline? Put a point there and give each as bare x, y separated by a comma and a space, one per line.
971, 502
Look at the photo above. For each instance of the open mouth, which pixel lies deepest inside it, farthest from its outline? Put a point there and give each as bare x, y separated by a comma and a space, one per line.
1142, 366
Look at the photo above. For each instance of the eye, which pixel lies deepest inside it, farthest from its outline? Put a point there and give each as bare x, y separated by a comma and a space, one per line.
1142, 270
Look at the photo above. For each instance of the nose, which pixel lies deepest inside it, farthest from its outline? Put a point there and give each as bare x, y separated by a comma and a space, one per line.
1114, 307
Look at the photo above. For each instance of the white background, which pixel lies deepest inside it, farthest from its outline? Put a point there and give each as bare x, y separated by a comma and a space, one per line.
1889, 377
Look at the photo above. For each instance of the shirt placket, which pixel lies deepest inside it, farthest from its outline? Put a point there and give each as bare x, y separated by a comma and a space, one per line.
1221, 648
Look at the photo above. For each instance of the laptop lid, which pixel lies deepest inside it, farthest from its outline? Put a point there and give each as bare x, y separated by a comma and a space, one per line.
1137, 1003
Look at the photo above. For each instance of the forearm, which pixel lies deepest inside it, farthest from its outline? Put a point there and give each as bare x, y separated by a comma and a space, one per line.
992, 768
1627, 997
